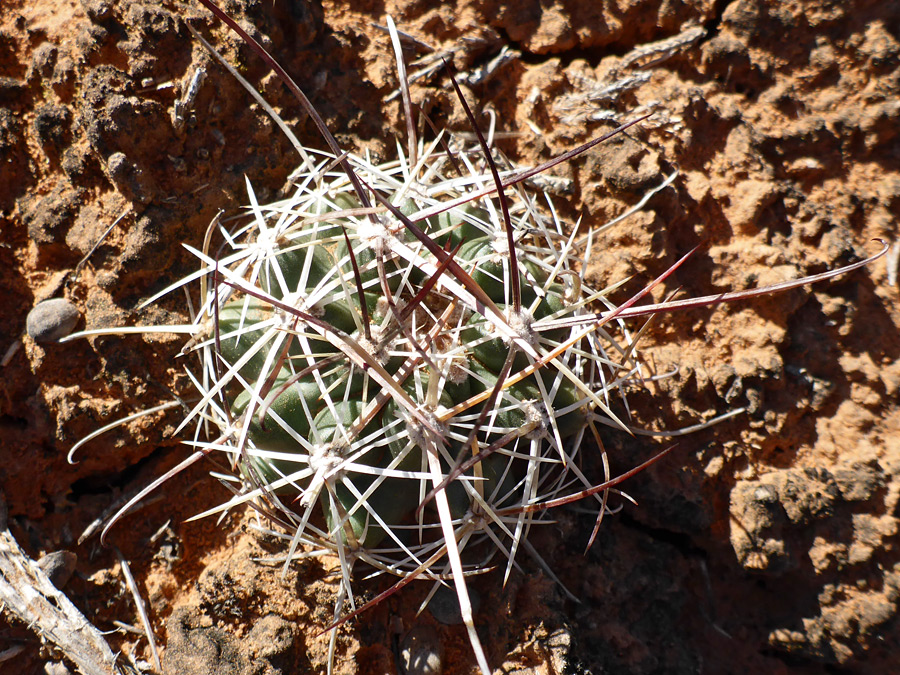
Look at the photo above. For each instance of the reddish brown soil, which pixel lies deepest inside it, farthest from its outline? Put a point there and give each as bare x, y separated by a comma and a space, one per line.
768, 543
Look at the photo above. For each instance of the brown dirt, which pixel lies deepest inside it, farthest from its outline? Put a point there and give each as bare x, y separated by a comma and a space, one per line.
768, 543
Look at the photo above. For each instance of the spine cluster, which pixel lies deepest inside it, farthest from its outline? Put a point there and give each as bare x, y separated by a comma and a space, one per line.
368, 364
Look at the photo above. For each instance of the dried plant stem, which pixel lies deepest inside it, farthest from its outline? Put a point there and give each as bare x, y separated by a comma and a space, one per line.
29, 594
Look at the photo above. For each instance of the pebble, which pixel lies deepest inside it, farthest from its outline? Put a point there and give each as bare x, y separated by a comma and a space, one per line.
51, 320
444, 605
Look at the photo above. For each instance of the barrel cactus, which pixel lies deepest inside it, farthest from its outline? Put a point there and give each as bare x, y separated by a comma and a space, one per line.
356, 369
400, 384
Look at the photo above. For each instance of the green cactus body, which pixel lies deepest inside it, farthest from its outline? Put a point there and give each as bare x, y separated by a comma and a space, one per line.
458, 225
386, 500
325, 408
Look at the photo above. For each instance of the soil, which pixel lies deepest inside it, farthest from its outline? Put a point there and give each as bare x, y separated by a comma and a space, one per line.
767, 543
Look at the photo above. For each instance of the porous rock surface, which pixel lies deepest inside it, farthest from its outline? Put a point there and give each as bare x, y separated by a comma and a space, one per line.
768, 543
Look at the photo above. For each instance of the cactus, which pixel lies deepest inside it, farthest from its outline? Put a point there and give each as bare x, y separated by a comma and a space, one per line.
393, 395
356, 365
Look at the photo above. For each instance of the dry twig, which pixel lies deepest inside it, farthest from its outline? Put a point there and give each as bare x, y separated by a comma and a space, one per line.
27, 592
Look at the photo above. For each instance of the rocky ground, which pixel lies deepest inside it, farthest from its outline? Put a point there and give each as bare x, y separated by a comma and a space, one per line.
768, 543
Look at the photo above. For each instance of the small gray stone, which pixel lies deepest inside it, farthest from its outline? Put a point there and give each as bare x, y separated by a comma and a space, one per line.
444, 605
51, 320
